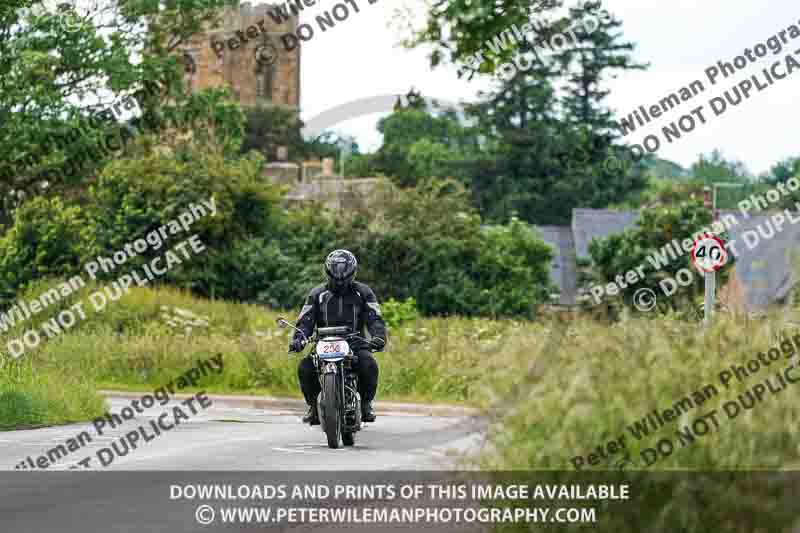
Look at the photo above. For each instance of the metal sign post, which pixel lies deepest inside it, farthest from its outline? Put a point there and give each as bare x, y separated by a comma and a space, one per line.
710, 197
709, 255
710, 288
709, 279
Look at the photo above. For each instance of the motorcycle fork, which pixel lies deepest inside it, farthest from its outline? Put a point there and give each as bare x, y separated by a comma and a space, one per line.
338, 370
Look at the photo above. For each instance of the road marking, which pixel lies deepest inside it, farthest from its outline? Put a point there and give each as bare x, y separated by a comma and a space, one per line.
289, 450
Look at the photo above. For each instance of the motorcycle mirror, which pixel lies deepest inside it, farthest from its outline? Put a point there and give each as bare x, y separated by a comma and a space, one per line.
282, 323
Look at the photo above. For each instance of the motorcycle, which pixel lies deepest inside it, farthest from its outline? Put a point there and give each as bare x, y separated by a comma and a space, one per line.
338, 403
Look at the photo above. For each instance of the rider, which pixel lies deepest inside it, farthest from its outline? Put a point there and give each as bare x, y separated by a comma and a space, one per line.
341, 302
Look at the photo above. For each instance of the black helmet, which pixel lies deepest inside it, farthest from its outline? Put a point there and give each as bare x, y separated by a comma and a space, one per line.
340, 267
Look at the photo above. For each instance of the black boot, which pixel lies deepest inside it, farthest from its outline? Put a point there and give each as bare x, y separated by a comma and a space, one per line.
367, 413
312, 417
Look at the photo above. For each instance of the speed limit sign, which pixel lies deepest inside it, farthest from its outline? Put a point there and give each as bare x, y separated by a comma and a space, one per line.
708, 253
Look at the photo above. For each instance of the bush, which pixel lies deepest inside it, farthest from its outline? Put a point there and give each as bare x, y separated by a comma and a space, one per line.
432, 246
45, 240
619, 253
136, 196
427, 244
398, 313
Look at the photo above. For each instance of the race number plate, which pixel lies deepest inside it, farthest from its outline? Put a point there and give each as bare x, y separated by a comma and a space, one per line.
329, 349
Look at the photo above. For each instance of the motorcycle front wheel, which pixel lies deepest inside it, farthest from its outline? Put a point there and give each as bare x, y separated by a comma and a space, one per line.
330, 408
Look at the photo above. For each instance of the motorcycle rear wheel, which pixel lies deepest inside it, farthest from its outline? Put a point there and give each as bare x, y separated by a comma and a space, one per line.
330, 407
348, 439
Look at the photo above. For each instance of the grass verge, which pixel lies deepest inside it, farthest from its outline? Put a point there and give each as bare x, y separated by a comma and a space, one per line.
145, 339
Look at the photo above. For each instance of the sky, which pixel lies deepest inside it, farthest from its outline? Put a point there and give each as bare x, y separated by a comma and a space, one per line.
361, 58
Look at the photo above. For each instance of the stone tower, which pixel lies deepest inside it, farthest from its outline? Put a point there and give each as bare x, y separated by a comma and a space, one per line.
246, 54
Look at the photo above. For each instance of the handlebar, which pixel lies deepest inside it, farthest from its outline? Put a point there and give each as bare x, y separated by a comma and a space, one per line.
283, 323
316, 337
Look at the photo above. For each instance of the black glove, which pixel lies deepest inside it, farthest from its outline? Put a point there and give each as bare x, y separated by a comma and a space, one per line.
377, 344
297, 345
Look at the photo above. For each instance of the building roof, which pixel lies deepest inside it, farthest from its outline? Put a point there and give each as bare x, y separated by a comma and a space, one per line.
588, 224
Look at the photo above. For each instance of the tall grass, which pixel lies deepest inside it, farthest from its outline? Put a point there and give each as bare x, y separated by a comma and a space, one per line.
149, 337
601, 379
587, 382
553, 390
32, 398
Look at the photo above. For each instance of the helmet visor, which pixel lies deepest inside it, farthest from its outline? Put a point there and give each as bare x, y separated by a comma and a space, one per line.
340, 270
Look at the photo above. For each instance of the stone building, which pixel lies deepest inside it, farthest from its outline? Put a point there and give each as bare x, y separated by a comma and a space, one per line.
318, 182
246, 54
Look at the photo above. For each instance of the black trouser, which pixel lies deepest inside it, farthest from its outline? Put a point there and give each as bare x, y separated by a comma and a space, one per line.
366, 369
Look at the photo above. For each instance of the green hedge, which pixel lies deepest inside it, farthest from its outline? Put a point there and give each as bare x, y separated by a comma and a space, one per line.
427, 244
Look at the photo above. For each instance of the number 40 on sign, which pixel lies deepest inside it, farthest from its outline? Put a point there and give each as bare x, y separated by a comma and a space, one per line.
709, 254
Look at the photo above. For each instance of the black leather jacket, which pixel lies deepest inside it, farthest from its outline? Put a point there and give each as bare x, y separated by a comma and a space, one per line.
356, 308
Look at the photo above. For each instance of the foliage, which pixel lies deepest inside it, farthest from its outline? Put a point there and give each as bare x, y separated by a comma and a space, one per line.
151, 347
547, 150
544, 171
428, 158
617, 254
256, 251
331, 144
587, 64
258, 270
397, 313
715, 168
134, 196
361, 166
44, 241
418, 140
581, 384
456, 30
469, 269
664, 192
37, 396
783, 170
269, 127
47, 73
664, 168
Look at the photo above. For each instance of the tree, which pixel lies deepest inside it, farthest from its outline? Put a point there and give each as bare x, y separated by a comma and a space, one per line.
332, 144
546, 160
47, 71
783, 170
715, 168
466, 267
458, 29
587, 63
520, 122
617, 254
429, 158
269, 127
414, 129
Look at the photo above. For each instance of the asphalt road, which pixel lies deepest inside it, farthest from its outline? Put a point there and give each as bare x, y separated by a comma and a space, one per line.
239, 439
219, 446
